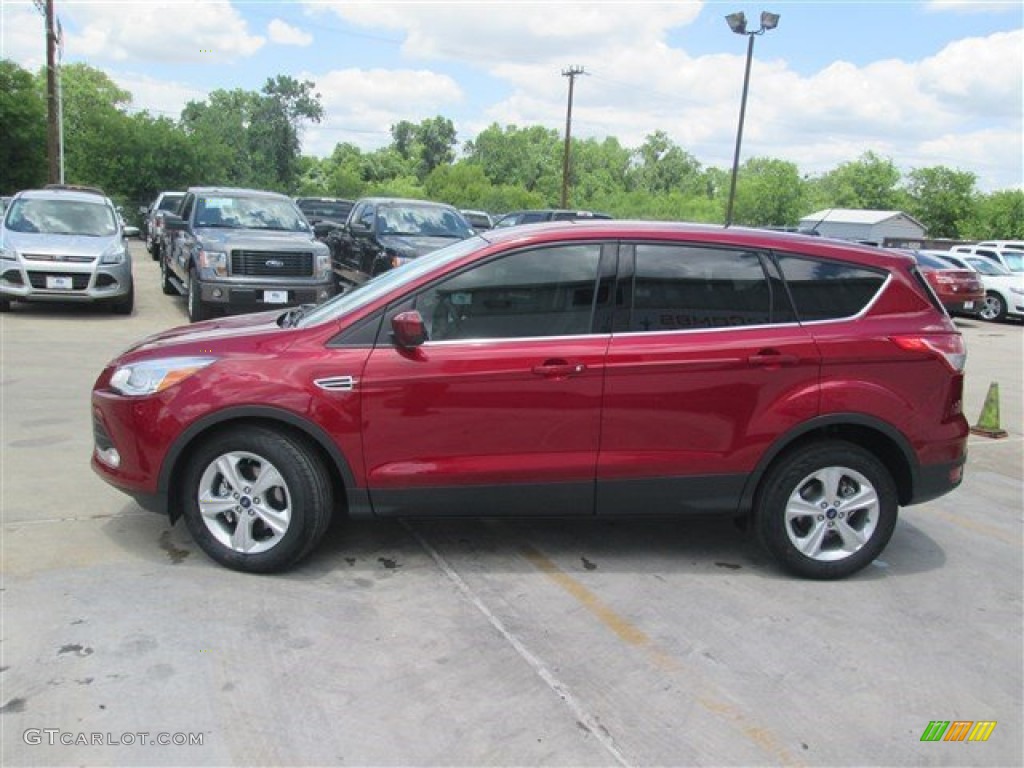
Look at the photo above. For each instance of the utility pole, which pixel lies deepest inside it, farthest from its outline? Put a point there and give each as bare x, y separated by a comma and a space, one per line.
571, 73
52, 106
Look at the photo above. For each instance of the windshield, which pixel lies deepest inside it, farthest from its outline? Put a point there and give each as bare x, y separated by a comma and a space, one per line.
986, 267
389, 281
1014, 260
61, 217
249, 213
325, 209
422, 220
170, 202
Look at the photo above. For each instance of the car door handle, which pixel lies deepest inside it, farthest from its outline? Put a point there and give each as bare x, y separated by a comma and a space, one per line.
558, 369
770, 358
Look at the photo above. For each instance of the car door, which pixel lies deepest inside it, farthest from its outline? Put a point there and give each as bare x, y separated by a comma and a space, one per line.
498, 412
706, 367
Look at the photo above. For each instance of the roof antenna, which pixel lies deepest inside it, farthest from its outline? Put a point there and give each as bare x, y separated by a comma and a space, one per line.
814, 230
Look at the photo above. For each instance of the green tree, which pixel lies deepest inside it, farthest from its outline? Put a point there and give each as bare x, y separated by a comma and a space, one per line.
425, 146
870, 182
22, 130
275, 128
941, 198
769, 192
528, 157
998, 216
662, 166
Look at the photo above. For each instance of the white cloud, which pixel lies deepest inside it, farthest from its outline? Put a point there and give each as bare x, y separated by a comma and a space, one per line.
22, 35
282, 33
972, 6
184, 31
161, 98
360, 106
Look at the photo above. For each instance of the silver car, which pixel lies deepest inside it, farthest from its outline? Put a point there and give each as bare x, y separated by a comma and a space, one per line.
60, 244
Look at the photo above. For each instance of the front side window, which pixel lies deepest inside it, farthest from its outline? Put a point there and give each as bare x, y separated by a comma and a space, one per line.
682, 287
549, 291
61, 217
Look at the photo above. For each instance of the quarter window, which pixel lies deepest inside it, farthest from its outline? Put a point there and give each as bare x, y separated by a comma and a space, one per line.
542, 292
826, 290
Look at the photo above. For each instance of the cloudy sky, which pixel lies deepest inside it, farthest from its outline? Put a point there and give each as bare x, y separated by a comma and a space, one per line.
928, 82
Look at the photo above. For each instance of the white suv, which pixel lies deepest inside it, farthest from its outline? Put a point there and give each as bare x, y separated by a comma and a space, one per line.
1009, 253
64, 244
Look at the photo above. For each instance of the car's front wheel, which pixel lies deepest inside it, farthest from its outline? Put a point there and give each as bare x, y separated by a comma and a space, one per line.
256, 499
165, 280
827, 509
993, 307
197, 311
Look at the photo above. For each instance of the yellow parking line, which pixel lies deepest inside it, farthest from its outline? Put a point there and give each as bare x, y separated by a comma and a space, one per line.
636, 637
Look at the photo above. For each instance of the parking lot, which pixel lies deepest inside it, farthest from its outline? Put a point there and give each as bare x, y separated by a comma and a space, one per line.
486, 642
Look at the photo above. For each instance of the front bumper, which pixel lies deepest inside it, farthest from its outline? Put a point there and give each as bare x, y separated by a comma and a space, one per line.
64, 281
255, 296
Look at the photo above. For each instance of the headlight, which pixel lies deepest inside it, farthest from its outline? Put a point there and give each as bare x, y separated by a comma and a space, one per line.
215, 260
152, 376
115, 254
1017, 289
323, 265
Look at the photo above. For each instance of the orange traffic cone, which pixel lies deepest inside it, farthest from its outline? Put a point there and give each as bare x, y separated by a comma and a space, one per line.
988, 422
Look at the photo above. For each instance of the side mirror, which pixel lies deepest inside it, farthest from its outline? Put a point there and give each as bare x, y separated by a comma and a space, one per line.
321, 229
143, 209
357, 228
408, 330
174, 223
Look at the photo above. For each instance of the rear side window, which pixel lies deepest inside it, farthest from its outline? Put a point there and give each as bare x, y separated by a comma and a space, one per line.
828, 290
680, 287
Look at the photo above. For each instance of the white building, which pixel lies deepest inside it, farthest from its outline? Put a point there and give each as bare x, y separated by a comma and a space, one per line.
868, 226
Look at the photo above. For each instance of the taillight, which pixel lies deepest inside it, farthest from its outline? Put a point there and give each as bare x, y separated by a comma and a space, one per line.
947, 346
942, 279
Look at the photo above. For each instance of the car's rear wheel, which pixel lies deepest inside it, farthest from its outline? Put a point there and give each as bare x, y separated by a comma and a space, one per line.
256, 499
993, 307
5, 305
826, 510
155, 251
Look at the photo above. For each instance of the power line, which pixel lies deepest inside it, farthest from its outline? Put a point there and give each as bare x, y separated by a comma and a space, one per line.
572, 73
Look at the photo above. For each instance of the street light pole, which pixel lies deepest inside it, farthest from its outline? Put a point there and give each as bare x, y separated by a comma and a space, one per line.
738, 24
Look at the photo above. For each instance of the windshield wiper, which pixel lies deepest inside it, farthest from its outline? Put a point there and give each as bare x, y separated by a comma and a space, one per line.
291, 318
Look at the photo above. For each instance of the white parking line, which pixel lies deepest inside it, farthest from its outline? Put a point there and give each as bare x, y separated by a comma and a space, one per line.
588, 720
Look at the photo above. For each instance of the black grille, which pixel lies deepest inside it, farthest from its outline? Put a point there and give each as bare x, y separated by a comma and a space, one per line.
271, 264
79, 282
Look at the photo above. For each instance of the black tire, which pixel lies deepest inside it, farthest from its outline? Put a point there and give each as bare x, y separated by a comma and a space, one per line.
5, 305
165, 280
197, 311
126, 305
993, 308
298, 499
841, 532
155, 251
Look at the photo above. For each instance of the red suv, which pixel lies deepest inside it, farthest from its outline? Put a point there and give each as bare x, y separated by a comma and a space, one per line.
597, 368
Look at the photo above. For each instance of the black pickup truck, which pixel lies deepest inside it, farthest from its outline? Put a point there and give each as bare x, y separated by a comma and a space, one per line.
385, 232
232, 250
